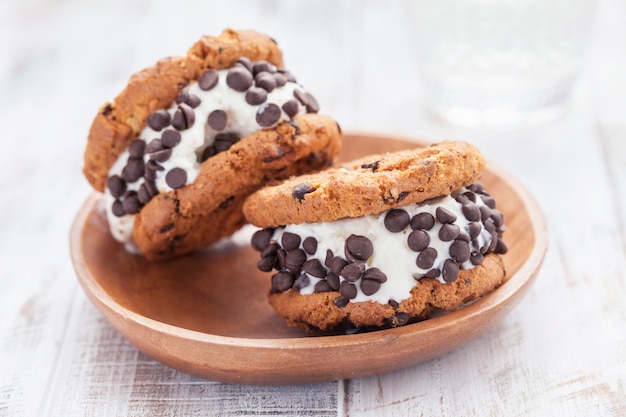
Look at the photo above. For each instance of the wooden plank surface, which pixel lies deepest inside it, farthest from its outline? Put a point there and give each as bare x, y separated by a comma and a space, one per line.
562, 351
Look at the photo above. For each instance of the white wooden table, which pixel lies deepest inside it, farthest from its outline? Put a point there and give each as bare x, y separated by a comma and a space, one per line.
561, 352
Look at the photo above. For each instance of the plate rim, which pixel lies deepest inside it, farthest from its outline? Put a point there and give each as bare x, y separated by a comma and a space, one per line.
521, 280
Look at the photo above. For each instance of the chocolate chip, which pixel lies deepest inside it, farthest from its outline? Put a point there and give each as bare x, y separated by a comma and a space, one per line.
396, 220
227, 203
151, 169
476, 258
418, 240
133, 170
372, 165
116, 185
485, 213
118, 208
450, 270
347, 290
464, 237
433, 273
265, 81
315, 268
490, 202
131, 202
399, 319
282, 281
498, 218
263, 66
300, 190
290, 241
358, 247
329, 257
158, 120
341, 301
449, 232
353, 271
322, 286
176, 178
143, 194
500, 247
444, 215
310, 245
375, 274
290, 107
307, 100
154, 146
170, 138
280, 79
208, 79
294, 260
239, 78
268, 115
369, 286
336, 264
477, 188
426, 258
462, 199
471, 212
246, 63
224, 141
162, 155
474, 228
301, 282
281, 256
424, 221
270, 249
191, 100
288, 76
208, 152
460, 251
393, 303
266, 264
136, 148
217, 119
261, 238
184, 117
256, 96
333, 280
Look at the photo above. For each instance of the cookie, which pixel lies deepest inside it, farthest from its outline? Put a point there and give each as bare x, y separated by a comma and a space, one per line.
384, 267
370, 185
188, 139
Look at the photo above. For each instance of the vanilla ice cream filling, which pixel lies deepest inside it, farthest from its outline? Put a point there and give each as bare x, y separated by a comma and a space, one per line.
392, 253
242, 119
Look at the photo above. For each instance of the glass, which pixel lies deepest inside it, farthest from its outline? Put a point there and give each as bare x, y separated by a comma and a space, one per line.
499, 62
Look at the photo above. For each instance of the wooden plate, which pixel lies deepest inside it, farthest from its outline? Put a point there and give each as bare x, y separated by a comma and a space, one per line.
207, 314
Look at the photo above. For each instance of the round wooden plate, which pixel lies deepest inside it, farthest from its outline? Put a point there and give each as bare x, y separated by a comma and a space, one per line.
207, 314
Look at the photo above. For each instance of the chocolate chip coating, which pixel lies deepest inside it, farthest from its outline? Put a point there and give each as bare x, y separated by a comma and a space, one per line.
450, 270
159, 120
261, 238
184, 117
426, 258
290, 241
396, 220
282, 281
359, 247
266, 81
217, 119
315, 268
239, 78
170, 138
268, 115
176, 178
116, 185
294, 260
256, 96
347, 290
307, 100
118, 208
290, 107
449, 232
424, 221
369, 286
375, 274
460, 251
133, 170
444, 215
136, 148
208, 79
131, 203
309, 245
418, 240
352, 272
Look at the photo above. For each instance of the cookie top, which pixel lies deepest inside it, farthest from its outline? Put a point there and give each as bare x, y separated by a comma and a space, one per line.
369, 185
119, 122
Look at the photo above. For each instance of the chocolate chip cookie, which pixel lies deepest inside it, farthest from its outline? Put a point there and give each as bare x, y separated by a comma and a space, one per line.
178, 150
382, 241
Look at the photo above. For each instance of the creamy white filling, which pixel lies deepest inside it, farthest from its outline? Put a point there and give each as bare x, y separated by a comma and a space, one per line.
185, 155
392, 254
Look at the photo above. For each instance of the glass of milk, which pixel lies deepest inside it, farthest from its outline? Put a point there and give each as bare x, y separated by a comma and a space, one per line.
499, 62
